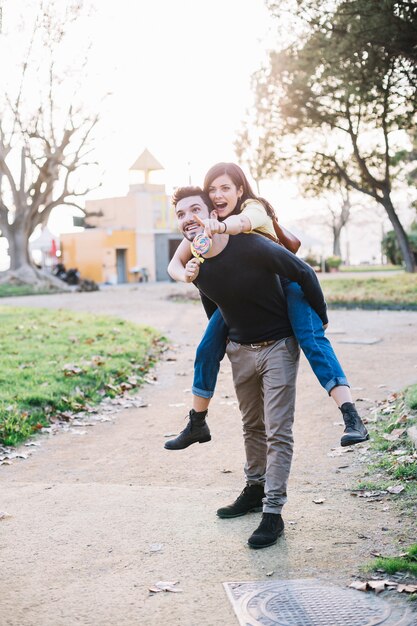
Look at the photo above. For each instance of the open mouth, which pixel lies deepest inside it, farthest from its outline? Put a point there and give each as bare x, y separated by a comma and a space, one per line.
191, 228
221, 205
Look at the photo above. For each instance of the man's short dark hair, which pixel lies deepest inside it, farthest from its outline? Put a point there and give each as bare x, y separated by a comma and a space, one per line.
185, 192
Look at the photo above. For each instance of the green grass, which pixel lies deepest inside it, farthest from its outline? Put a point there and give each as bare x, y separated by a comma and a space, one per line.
368, 485
370, 268
56, 361
394, 463
7, 290
392, 292
380, 292
411, 397
386, 467
404, 563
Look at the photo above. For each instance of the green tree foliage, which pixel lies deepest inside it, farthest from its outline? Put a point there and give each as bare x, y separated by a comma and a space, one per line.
391, 249
344, 97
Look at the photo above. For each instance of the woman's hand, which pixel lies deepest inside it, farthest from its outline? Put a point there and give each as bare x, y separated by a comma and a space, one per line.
211, 225
192, 270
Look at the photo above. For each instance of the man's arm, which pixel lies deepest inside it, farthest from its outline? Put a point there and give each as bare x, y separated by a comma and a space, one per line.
209, 305
286, 264
177, 267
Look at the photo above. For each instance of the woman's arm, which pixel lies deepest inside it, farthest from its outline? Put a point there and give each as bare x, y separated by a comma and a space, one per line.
183, 267
236, 224
249, 220
232, 225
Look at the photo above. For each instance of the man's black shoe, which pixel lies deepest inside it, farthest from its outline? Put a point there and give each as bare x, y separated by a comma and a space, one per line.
250, 500
268, 531
196, 431
355, 431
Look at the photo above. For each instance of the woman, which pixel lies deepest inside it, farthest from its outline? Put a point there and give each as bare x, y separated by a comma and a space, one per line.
239, 210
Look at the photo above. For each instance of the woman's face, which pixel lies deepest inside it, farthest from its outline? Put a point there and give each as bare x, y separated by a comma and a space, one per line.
224, 195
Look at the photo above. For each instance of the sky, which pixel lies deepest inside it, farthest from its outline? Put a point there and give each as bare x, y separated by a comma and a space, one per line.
179, 76
179, 72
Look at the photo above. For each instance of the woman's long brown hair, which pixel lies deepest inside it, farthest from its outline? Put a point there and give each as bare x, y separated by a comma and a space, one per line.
239, 179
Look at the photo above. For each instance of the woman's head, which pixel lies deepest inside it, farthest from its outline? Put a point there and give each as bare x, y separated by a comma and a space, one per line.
227, 187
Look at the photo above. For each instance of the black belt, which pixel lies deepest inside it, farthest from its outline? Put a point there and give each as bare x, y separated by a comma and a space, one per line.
261, 344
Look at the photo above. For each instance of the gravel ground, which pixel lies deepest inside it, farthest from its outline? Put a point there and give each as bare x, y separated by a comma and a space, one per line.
97, 518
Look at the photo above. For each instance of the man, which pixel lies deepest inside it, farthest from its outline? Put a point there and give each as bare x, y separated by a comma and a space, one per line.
240, 276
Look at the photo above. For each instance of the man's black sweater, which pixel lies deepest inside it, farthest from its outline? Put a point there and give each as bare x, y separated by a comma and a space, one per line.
243, 281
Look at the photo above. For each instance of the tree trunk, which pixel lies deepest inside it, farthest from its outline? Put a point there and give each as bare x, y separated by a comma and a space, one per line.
408, 256
337, 251
18, 238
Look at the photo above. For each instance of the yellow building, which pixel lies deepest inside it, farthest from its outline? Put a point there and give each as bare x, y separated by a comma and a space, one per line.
127, 237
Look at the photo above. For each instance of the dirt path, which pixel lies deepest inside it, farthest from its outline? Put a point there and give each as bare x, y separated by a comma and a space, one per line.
98, 518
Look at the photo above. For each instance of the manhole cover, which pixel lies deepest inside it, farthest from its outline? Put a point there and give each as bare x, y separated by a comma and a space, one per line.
311, 603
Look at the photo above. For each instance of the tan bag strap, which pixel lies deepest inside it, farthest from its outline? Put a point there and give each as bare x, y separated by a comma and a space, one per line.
267, 235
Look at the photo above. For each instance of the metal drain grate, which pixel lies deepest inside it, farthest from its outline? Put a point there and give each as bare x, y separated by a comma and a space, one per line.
311, 603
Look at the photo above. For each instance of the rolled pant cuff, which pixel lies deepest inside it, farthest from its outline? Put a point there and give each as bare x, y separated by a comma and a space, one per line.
339, 381
202, 393
272, 509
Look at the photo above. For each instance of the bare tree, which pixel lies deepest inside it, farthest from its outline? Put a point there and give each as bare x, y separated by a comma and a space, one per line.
255, 147
339, 215
43, 145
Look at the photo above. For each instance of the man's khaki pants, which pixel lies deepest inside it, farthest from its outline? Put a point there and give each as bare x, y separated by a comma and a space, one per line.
264, 378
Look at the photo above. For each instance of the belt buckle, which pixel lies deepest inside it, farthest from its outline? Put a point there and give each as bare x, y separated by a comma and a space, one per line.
262, 344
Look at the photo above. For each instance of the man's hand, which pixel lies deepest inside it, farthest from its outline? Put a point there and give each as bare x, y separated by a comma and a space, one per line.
210, 225
192, 270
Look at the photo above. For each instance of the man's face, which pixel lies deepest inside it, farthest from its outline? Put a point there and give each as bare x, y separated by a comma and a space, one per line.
185, 211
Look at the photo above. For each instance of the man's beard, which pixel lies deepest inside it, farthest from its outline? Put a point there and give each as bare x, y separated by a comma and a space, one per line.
189, 235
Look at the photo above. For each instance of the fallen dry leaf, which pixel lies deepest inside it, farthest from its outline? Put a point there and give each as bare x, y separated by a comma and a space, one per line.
319, 501
377, 585
359, 585
112, 388
396, 489
155, 547
407, 588
373, 495
4, 515
165, 586
395, 434
71, 370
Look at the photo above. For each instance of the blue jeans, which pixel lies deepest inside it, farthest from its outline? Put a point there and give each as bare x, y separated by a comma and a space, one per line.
308, 330
210, 352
